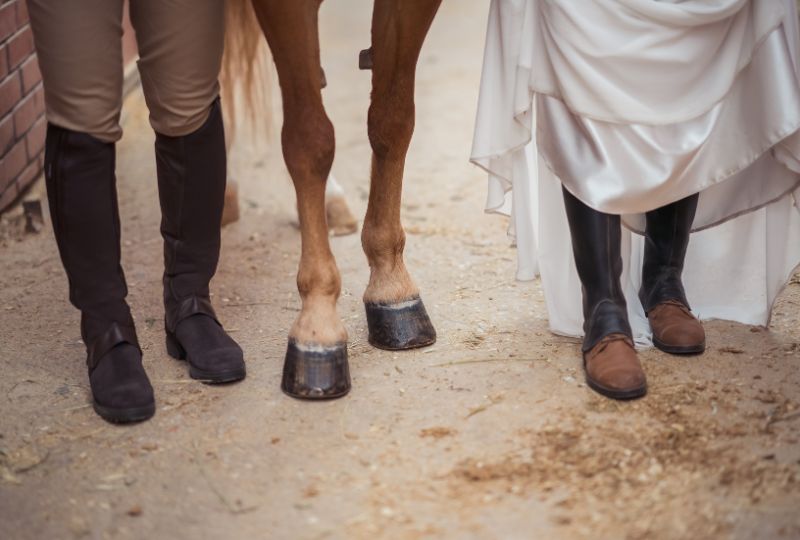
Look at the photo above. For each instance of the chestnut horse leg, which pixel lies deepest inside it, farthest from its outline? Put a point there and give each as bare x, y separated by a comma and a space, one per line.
316, 358
396, 316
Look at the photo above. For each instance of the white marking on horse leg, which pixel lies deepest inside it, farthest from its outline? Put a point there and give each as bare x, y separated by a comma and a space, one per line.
333, 188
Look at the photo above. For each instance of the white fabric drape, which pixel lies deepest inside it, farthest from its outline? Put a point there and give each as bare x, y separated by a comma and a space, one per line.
631, 105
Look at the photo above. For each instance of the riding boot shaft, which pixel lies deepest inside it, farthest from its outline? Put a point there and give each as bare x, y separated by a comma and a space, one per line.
82, 194
191, 186
610, 362
666, 241
596, 239
675, 329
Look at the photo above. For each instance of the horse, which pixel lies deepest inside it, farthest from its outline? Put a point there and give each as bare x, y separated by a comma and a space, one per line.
316, 364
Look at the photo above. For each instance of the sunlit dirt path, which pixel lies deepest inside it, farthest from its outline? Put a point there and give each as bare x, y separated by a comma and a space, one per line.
490, 433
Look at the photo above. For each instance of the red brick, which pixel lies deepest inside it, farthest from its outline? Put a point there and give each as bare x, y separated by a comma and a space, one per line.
10, 92
6, 134
30, 74
3, 63
12, 164
8, 196
22, 13
8, 20
34, 140
20, 47
28, 111
28, 175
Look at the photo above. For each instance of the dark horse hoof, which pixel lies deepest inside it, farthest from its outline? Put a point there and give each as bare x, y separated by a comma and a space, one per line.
316, 371
398, 326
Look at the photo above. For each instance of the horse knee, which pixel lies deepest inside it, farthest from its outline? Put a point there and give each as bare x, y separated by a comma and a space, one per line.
309, 145
390, 125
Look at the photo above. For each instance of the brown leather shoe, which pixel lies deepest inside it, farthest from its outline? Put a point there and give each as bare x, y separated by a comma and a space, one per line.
613, 368
675, 329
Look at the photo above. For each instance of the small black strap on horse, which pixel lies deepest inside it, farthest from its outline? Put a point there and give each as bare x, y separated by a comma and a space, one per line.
365, 59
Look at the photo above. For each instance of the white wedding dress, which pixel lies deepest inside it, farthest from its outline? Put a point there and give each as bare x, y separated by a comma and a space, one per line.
631, 105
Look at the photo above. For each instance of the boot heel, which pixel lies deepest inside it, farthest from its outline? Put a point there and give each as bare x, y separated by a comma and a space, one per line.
174, 349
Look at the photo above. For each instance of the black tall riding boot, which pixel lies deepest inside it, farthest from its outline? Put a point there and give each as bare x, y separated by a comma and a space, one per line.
612, 367
675, 329
191, 187
81, 189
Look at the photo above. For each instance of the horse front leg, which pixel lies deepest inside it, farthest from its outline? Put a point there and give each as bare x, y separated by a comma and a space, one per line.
396, 316
316, 359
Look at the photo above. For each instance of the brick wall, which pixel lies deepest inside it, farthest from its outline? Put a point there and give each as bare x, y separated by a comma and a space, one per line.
22, 123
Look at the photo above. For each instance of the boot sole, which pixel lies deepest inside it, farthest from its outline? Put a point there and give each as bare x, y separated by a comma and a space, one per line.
674, 349
176, 351
632, 393
215, 377
125, 416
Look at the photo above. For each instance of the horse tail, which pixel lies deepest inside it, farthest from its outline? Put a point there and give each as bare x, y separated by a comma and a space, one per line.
245, 65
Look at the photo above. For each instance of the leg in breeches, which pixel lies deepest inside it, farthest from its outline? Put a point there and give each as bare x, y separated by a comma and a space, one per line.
180, 47
81, 62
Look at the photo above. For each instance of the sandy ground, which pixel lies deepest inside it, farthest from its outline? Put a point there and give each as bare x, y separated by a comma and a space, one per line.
490, 433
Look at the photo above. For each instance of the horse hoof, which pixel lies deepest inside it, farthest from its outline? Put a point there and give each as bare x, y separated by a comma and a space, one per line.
398, 326
315, 371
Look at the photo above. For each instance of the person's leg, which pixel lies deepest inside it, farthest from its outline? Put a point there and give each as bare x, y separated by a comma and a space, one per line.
612, 367
675, 329
79, 51
180, 48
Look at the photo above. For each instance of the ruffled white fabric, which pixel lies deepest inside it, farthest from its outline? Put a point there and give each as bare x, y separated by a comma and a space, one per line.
636, 104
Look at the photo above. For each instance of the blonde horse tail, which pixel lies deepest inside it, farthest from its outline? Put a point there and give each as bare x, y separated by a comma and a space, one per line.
245, 66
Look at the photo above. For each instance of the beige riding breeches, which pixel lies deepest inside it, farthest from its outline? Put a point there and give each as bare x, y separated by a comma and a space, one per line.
79, 47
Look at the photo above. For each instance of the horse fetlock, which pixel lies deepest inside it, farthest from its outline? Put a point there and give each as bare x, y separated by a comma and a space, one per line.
319, 281
382, 245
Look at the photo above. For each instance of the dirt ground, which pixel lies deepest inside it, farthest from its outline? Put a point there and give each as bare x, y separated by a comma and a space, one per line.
491, 433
